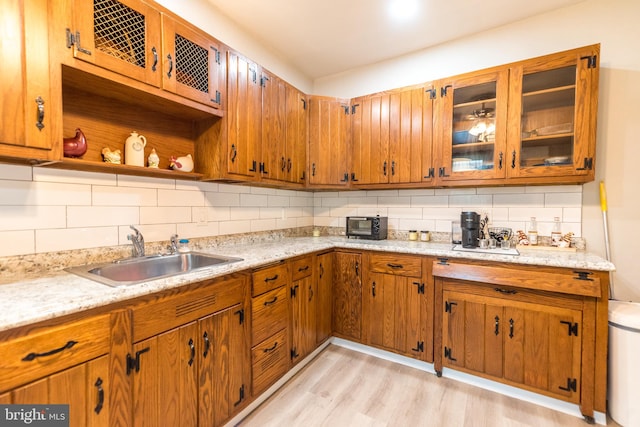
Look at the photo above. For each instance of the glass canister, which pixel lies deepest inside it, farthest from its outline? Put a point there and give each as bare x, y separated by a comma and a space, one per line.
456, 233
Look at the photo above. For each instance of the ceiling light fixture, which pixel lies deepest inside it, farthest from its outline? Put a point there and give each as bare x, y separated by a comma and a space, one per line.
402, 10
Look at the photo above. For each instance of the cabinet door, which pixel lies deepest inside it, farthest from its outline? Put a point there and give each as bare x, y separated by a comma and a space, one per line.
222, 372
243, 116
552, 115
26, 106
296, 136
472, 113
370, 140
303, 309
328, 142
122, 36
84, 388
347, 295
273, 161
324, 284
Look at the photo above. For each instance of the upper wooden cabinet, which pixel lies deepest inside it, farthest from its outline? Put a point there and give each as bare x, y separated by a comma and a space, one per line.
329, 124
29, 115
552, 117
391, 137
136, 40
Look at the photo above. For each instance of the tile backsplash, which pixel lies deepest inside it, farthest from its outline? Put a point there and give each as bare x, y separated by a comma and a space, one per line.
48, 210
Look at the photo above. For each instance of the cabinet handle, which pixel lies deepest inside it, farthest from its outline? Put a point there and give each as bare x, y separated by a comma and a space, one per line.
497, 330
500, 161
321, 270
40, 104
170, 65
506, 291
207, 344
384, 168
98, 386
32, 356
155, 58
395, 266
283, 164
271, 279
393, 168
305, 268
273, 301
193, 351
289, 165
357, 268
510, 328
310, 293
513, 159
234, 153
270, 349
373, 289
313, 169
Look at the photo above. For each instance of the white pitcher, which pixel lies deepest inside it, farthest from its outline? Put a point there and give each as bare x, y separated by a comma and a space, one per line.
134, 149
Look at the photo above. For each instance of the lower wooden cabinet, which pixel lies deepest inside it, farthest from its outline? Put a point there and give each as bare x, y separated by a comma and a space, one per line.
303, 293
323, 276
347, 295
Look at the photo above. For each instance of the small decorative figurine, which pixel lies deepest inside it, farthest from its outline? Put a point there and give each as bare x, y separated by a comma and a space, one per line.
134, 149
109, 156
153, 161
522, 238
566, 240
76, 146
183, 164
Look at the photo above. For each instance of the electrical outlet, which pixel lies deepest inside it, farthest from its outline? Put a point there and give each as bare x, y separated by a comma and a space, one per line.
200, 216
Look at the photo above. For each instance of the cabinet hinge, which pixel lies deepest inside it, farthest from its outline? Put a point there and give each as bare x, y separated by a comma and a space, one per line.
217, 98
572, 385
294, 353
448, 306
134, 363
587, 165
263, 169
583, 275
353, 108
420, 287
419, 347
304, 103
432, 93
74, 39
447, 354
572, 327
353, 177
431, 174
592, 60
240, 314
443, 261
216, 54
240, 396
263, 81
346, 109
345, 177
443, 90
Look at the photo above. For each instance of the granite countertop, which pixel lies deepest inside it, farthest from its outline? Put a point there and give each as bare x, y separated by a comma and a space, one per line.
62, 293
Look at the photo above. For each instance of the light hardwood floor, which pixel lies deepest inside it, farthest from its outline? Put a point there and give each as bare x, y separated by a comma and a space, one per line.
342, 387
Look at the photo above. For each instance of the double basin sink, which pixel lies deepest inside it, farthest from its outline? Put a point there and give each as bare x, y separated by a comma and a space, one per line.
138, 270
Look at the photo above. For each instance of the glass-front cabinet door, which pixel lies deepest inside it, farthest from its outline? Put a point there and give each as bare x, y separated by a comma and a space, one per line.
472, 138
551, 114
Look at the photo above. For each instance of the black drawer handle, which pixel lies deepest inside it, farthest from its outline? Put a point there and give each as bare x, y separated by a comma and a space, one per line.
271, 279
270, 349
305, 268
31, 356
273, 301
505, 291
207, 344
193, 351
98, 386
390, 265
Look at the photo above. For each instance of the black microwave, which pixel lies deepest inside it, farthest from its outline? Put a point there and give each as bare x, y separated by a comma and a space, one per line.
367, 227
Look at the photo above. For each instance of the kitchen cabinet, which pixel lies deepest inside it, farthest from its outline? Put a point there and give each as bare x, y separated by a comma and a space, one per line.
137, 40
347, 295
529, 327
296, 139
323, 276
329, 124
552, 117
303, 293
190, 359
270, 351
397, 310
391, 137
27, 105
471, 124
74, 362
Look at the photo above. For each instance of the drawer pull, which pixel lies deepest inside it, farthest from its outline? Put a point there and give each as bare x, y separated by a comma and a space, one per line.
390, 265
207, 344
270, 349
305, 268
271, 279
31, 356
98, 386
505, 291
193, 351
273, 301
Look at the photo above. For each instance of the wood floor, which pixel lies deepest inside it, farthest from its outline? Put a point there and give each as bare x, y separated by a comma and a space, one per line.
342, 387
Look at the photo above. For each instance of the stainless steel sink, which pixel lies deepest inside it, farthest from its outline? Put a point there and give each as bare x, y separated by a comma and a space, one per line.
137, 270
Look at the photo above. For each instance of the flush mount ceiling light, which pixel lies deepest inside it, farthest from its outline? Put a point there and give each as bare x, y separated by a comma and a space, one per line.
403, 10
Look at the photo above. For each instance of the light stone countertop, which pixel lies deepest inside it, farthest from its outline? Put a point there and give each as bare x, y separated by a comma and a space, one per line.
30, 301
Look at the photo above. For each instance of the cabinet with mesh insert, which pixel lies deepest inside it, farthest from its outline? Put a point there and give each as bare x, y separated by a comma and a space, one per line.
134, 39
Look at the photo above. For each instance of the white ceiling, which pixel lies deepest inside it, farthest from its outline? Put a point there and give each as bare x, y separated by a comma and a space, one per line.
325, 37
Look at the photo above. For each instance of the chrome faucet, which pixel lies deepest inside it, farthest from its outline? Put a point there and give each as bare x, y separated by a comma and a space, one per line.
173, 246
138, 242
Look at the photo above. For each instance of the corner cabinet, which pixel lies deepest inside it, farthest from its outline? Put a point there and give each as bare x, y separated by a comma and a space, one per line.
29, 114
530, 327
552, 116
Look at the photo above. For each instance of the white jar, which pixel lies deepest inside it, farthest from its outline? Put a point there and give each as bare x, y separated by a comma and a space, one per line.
134, 150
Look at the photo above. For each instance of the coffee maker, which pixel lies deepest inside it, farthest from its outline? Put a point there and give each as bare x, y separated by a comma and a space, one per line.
470, 224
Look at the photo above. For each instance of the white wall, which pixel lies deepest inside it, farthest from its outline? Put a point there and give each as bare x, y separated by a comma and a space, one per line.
614, 24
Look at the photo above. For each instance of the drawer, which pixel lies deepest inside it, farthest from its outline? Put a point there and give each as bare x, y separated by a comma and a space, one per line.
301, 268
396, 264
269, 313
269, 361
47, 350
270, 278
